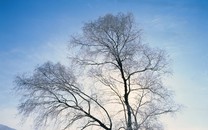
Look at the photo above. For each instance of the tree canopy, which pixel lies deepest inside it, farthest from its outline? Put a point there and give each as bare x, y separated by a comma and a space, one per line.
113, 81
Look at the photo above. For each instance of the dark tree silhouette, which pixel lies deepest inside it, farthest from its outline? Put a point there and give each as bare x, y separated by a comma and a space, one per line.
113, 82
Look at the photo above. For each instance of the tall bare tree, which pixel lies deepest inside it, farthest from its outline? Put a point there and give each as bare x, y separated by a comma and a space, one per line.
114, 81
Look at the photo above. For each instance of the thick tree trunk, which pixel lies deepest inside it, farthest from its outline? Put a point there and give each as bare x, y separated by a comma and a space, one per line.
126, 97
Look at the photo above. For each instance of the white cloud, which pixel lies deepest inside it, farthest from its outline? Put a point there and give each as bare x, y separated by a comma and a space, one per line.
20, 60
9, 117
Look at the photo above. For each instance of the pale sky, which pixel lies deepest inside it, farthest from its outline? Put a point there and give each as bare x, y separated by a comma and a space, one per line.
35, 31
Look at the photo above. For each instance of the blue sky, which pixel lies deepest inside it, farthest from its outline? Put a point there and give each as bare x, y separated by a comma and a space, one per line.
34, 31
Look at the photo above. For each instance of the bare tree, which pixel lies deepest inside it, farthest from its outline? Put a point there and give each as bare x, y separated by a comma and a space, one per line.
114, 81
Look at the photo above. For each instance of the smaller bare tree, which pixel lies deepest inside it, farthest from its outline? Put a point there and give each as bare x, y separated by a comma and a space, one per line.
52, 92
115, 81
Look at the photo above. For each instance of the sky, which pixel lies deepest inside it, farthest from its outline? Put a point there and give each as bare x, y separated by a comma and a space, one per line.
35, 31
